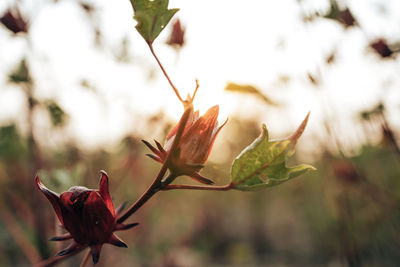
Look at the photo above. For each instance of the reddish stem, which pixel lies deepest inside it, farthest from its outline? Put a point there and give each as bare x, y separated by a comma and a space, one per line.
165, 73
154, 188
157, 185
20, 238
199, 187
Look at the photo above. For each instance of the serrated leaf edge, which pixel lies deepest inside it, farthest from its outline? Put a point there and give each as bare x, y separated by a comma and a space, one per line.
306, 167
137, 14
290, 151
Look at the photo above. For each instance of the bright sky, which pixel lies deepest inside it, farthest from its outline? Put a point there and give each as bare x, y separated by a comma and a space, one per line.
249, 42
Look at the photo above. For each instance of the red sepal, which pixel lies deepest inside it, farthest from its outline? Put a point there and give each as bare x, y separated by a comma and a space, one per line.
104, 192
95, 251
116, 241
70, 249
61, 238
53, 197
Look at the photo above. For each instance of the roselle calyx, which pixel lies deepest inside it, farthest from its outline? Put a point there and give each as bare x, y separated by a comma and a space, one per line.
194, 146
88, 215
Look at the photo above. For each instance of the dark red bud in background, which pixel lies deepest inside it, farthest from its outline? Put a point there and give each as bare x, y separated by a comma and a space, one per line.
346, 18
381, 48
177, 36
14, 21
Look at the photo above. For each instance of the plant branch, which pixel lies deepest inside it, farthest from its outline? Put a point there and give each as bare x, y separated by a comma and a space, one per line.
199, 187
169, 179
153, 188
157, 185
165, 74
18, 235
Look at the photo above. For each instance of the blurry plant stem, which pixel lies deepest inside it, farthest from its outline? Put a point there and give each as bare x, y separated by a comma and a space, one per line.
157, 184
18, 234
389, 133
85, 258
165, 73
199, 187
36, 163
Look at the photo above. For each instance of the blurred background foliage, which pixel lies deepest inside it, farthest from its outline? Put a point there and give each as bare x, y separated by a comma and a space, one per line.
345, 214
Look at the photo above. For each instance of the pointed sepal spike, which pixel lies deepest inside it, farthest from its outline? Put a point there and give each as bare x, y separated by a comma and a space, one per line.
61, 238
70, 249
95, 251
116, 241
154, 157
63, 252
121, 226
151, 147
160, 147
198, 177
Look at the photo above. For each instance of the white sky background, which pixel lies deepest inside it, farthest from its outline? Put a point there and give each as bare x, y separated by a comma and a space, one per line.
249, 42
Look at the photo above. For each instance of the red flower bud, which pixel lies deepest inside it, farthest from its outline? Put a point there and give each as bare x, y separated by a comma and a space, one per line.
177, 36
381, 47
194, 146
88, 215
14, 21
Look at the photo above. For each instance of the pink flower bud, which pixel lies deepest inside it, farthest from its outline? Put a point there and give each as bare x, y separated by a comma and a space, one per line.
194, 146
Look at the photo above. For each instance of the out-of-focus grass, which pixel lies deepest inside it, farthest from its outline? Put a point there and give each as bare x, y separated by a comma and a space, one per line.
344, 213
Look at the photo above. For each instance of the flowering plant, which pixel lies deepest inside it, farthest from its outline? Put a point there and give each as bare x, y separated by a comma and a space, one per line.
89, 216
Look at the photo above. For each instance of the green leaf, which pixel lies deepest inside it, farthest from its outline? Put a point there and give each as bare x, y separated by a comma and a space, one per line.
152, 17
263, 163
249, 89
57, 114
20, 74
